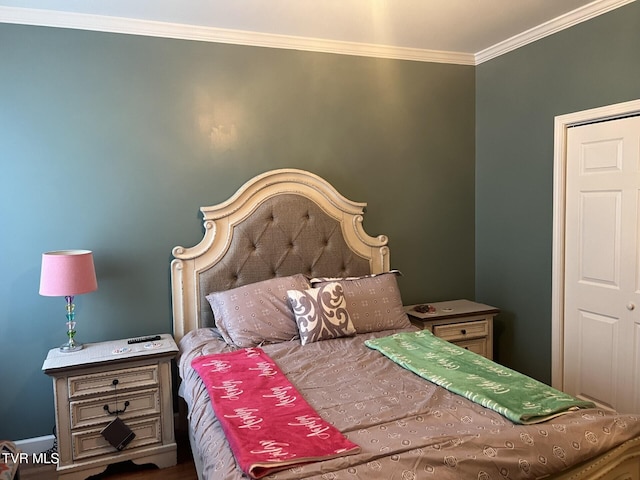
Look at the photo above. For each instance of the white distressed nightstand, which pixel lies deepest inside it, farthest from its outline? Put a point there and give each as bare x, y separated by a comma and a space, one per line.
104, 376
463, 322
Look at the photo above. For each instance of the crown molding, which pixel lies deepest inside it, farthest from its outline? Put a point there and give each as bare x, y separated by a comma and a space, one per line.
562, 22
50, 18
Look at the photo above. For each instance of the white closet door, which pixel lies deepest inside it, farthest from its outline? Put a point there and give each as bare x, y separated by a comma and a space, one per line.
602, 269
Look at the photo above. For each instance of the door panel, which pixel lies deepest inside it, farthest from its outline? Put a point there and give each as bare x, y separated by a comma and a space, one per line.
597, 365
601, 156
599, 249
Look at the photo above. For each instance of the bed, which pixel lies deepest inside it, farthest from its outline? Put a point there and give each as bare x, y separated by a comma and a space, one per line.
278, 231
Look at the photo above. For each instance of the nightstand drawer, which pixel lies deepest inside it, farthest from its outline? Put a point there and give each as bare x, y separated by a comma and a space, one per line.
478, 345
96, 383
85, 413
462, 331
90, 443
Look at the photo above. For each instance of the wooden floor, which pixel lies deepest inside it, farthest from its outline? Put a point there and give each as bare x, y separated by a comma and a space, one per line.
184, 470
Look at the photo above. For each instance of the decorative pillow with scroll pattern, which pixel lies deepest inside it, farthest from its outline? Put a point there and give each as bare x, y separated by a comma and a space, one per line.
321, 313
257, 313
373, 301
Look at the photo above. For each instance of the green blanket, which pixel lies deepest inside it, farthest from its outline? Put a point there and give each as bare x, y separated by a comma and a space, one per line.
519, 398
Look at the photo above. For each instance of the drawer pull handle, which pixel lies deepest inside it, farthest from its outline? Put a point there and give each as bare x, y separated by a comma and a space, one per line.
463, 331
116, 412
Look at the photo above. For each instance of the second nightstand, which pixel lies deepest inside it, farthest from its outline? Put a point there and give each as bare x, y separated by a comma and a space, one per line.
104, 380
463, 322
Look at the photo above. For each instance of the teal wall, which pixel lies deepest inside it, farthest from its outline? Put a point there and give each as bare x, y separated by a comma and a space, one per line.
518, 95
105, 144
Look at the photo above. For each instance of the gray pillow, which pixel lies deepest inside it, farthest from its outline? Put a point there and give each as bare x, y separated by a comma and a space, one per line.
373, 301
257, 313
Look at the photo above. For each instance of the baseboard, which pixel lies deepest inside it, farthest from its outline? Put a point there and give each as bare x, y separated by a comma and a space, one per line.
35, 444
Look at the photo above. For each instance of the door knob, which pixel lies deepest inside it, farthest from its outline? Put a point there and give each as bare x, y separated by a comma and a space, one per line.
631, 306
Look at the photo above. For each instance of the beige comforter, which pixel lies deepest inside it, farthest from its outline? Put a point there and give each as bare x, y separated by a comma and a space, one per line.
407, 428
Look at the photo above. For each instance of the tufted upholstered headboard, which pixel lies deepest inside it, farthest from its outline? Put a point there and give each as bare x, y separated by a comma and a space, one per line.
279, 223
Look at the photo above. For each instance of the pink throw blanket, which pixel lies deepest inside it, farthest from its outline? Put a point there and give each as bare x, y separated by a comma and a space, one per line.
268, 424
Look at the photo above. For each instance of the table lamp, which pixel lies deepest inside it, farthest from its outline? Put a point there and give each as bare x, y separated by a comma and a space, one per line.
66, 273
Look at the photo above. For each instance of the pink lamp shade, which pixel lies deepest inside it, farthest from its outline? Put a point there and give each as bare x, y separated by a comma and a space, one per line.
67, 273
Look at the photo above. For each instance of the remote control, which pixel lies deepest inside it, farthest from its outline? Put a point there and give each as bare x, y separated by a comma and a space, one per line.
144, 339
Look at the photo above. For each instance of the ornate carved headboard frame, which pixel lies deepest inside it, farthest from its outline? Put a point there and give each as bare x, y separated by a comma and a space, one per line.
279, 223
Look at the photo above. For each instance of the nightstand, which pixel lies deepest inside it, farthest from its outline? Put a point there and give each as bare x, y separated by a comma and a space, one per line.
91, 384
465, 323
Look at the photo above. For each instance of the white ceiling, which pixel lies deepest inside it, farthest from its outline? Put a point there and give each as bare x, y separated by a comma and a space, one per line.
401, 28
